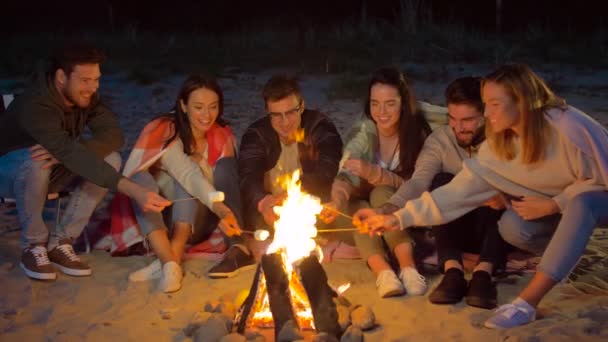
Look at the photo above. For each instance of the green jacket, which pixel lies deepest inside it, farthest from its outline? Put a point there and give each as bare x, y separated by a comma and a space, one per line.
39, 117
362, 140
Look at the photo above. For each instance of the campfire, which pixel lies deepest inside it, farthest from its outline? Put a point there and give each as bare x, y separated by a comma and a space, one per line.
289, 283
290, 291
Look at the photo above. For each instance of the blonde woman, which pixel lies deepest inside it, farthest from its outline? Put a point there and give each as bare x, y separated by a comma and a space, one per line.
549, 159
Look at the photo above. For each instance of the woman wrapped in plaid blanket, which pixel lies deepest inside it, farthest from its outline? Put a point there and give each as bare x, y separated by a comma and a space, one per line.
186, 155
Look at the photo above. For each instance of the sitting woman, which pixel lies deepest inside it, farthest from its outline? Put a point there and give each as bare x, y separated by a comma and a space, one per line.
186, 155
379, 154
549, 159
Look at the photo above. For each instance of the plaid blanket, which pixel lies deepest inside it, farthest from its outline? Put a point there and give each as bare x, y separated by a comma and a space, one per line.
148, 149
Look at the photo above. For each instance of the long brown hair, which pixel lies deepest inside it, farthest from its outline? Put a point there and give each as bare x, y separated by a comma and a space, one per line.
533, 98
413, 127
183, 128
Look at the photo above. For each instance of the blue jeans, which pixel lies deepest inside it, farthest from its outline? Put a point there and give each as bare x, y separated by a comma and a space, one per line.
25, 180
201, 219
561, 239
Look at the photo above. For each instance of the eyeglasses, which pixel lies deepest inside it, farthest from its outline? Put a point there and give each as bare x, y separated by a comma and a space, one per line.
287, 114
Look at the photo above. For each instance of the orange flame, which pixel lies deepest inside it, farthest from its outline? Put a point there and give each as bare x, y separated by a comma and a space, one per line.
294, 234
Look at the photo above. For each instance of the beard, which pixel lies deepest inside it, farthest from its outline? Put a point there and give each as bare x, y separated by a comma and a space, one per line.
476, 137
75, 99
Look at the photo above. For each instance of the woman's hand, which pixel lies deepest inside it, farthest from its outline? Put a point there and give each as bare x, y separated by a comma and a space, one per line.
358, 168
497, 202
372, 221
146, 199
533, 207
330, 211
228, 223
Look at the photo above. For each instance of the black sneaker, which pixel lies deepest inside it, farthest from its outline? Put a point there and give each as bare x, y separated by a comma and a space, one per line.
64, 257
482, 291
235, 260
36, 264
451, 289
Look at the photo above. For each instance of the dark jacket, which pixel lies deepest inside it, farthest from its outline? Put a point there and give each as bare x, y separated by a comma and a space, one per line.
39, 116
319, 153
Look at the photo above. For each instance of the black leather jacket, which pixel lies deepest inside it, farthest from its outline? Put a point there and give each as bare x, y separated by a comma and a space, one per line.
260, 148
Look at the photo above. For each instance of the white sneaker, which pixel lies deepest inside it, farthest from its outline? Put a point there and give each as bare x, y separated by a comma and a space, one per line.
152, 271
388, 284
414, 283
171, 278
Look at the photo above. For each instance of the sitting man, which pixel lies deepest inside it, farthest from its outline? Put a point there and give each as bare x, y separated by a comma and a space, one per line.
42, 150
440, 159
288, 138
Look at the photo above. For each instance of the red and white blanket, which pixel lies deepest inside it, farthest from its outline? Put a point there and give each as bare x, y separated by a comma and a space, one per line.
149, 148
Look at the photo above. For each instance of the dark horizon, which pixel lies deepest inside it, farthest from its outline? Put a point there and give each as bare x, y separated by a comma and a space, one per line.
238, 15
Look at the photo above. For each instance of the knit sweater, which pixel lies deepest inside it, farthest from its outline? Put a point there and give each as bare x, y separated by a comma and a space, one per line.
567, 170
440, 153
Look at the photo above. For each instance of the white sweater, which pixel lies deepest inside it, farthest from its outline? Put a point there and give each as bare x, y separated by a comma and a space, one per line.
564, 173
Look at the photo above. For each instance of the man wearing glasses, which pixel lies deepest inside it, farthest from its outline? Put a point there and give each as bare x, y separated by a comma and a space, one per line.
288, 138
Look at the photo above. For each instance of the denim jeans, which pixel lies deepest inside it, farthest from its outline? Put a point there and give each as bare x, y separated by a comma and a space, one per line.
25, 180
193, 212
561, 239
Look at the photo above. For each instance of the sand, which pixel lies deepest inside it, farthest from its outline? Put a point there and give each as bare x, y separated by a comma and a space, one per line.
106, 306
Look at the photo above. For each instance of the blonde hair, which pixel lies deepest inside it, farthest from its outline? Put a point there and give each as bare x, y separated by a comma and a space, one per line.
533, 98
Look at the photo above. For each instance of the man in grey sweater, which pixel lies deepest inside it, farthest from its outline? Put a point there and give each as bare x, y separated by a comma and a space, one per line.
42, 149
440, 159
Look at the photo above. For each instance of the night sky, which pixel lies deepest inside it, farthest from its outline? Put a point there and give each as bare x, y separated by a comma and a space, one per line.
237, 15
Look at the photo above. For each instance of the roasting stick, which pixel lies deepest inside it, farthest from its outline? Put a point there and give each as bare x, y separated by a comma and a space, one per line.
262, 234
339, 212
352, 229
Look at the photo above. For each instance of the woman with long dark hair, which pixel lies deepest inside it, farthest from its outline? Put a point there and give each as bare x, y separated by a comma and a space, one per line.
548, 159
188, 156
380, 153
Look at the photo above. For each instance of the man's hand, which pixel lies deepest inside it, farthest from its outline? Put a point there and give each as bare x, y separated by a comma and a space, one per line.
533, 207
358, 168
40, 154
266, 207
146, 199
497, 202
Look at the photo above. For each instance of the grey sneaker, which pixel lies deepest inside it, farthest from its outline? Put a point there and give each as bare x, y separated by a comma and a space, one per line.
64, 257
234, 261
35, 262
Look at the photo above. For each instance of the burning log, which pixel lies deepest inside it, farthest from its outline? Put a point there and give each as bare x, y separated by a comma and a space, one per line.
277, 287
244, 312
320, 296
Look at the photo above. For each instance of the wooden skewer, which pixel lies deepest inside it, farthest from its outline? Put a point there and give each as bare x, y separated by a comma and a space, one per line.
339, 212
337, 230
184, 199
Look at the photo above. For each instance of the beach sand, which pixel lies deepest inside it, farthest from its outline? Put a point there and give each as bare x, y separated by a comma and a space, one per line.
106, 306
